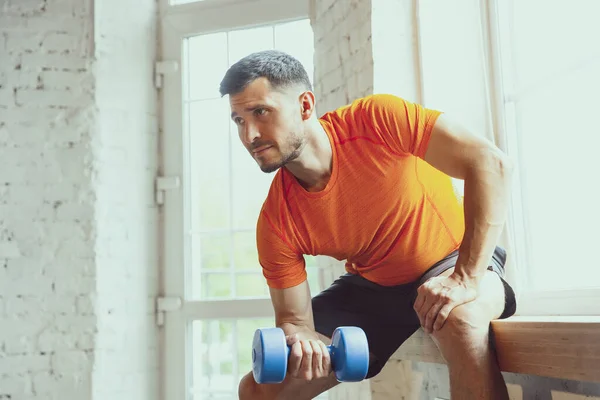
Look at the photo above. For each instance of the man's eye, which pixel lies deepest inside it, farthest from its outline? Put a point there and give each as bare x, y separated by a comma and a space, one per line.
260, 111
238, 121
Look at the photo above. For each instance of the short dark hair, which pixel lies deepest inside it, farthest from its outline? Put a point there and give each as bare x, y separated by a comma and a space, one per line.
281, 69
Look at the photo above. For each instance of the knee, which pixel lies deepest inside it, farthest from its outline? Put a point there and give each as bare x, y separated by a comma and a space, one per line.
466, 325
473, 318
248, 388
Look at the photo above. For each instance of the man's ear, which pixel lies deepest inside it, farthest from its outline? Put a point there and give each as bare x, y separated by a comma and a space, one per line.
307, 102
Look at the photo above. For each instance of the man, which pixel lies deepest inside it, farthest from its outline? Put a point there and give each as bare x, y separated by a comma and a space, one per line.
370, 183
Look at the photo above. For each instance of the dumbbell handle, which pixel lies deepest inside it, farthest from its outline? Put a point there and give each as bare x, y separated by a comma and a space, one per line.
330, 349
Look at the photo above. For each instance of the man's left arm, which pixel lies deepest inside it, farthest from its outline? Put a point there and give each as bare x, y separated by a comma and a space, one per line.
486, 172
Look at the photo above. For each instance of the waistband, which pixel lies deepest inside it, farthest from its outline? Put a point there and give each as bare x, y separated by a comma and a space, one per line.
496, 264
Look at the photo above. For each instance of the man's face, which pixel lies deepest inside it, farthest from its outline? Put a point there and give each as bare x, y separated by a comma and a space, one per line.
269, 123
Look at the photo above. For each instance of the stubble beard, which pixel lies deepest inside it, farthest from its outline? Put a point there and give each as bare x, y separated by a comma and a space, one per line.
295, 144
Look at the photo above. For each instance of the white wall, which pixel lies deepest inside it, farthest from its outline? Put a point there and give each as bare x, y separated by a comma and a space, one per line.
77, 223
47, 220
343, 58
126, 158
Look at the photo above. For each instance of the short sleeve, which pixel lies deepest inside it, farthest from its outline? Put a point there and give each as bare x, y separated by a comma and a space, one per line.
404, 126
282, 266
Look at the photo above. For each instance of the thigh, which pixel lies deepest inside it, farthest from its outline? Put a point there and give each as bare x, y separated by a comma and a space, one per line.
385, 315
496, 297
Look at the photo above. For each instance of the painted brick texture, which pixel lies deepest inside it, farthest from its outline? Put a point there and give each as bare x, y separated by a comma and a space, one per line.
47, 223
343, 56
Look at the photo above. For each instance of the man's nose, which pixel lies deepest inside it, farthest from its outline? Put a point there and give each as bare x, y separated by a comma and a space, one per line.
250, 133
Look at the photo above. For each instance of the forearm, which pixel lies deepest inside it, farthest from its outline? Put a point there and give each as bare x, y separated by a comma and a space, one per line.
486, 200
293, 309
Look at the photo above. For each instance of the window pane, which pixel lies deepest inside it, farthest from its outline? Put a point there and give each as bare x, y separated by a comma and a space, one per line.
222, 354
211, 252
454, 84
251, 285
213, 358
555, 80
209, 159
453, 61
245, 41
566, 34
245, 256
246, 328
559, 156
207, 58
312, 272
249, 185
217, 286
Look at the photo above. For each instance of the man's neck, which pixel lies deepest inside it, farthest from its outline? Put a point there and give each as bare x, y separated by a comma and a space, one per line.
313, 167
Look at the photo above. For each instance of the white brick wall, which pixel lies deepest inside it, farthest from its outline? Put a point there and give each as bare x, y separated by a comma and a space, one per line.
46, 201
78, 149
343, 57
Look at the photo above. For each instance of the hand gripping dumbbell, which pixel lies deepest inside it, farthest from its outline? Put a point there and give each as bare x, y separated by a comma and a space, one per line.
349, 352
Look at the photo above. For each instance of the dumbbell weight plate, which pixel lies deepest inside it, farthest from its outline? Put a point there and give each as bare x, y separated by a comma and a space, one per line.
269, 355
349, 354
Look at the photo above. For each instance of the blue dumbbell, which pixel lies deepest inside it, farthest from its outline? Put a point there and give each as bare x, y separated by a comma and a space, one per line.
349, 352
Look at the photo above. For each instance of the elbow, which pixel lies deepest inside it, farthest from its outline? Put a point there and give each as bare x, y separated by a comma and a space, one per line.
504, 165
494, 163
507, 167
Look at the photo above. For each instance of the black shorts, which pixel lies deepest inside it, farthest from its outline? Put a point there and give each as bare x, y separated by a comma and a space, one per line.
386, 313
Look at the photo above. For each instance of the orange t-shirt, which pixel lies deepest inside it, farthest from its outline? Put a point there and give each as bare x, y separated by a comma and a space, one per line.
385, 211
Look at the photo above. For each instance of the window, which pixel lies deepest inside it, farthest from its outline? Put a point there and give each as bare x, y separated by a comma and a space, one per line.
210, 258
551, 89
534, 92
226, 187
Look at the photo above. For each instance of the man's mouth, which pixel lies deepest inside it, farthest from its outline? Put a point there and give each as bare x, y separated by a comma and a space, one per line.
260, 149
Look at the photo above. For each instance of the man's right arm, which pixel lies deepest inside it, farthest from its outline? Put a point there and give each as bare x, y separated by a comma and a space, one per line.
309, 357
284, 269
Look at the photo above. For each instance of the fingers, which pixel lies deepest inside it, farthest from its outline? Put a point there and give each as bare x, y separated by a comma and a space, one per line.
423, 303
431, 316
438, 296
326, 359
295, 358
317, 360
306, 371
431, 300
442, 316
420, 300
309, 359
291, 339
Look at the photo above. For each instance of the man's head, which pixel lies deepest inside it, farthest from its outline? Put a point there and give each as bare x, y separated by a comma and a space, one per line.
271, 98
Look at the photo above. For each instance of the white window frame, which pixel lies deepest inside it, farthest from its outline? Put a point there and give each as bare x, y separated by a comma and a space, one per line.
574, 302
176, 23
